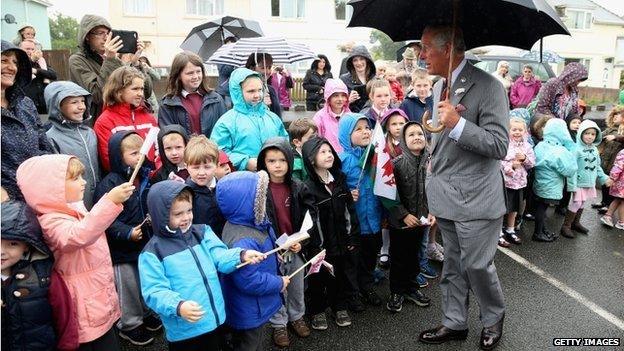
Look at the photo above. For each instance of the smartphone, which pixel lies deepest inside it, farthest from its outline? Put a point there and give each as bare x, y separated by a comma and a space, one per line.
361, 89
128, 39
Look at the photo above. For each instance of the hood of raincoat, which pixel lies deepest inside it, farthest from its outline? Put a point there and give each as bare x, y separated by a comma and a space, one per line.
585, 125
362, 51
54, 94
87, 23
556, 132
403, 143
309, 150
333, 86
24, 68
236, 92
346, 125
386, 116
159, 201
242, 198
114, 153
572, 72
282, 145
166, 130
46, 194
20, 223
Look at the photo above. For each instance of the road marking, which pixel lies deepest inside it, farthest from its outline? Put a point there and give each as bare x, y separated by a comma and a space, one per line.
611, 318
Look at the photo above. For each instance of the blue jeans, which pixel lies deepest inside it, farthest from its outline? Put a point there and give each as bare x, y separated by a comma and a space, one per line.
423, 247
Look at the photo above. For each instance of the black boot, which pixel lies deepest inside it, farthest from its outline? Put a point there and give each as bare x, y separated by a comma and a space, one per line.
540, 234
576, 224
566, 229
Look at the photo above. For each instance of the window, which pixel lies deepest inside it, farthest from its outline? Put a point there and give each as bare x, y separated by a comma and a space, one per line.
577, 19
583, 61
288, 8
619, 51
343, 12
204, 7
138, 7
299, 68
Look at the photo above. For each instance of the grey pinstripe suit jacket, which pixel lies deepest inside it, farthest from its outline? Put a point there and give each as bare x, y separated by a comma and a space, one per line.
464, 181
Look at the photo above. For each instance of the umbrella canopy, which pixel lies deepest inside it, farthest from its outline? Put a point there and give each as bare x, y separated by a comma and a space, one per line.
205, 39
517, 23
547, 56
280, 49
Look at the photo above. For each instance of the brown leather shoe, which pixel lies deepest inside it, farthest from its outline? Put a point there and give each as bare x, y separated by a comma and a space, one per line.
490, 336
301, 328
280, 337
442, 334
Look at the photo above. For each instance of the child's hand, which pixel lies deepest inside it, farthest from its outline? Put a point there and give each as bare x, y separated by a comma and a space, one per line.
609, 138
520, 156
137, 234
353, 96
191, 311
516, 164
295, 247
120, 193
411, 221
609, 182
355, 193
285, 282
432, 219
252, 164
253, 256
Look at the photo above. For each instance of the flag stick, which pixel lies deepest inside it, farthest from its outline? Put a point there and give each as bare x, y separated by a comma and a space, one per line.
364, 164
305, 265
137, 168
285, 246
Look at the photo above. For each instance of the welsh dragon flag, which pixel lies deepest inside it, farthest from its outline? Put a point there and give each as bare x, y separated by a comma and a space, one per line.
384, 175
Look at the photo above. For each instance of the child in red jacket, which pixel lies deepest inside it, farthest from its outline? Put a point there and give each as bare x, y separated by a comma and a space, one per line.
124, 109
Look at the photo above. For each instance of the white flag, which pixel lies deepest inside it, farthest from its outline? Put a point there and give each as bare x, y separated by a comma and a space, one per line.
384, 173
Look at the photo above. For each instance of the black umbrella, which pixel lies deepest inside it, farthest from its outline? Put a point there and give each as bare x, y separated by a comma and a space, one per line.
205, 39
516, 23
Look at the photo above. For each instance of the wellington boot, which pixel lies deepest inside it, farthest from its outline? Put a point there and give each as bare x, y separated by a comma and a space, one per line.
576, 224
566, 228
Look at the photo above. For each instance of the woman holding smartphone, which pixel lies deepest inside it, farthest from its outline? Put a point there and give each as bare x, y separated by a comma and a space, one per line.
361, 69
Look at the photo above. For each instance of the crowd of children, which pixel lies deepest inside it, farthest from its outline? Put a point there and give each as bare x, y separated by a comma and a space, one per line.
182, 245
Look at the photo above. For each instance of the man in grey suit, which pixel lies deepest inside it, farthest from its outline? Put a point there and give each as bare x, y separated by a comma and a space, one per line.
465, 187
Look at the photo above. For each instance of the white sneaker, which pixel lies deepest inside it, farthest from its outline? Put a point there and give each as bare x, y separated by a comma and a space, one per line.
434, 254
607, 220
619, 225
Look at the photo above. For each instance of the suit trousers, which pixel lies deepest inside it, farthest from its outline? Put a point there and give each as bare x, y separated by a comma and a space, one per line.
469, 250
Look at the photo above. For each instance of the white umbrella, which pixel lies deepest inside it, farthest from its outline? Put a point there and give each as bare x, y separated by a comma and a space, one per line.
280, 49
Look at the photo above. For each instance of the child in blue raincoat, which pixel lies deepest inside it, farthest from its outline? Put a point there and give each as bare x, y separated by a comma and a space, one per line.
241, 131
555, 161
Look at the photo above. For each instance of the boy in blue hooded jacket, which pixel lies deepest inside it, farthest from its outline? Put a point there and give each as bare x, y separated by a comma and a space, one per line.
253, 292
354, 135
179, 268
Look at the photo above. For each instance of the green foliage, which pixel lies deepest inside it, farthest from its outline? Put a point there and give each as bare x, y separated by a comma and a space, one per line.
64, 32
385, 49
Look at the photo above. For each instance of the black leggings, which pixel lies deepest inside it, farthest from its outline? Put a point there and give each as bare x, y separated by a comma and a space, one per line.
106, 342
540, 215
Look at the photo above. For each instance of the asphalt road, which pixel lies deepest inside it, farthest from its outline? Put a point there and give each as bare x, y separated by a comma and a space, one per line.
592, 266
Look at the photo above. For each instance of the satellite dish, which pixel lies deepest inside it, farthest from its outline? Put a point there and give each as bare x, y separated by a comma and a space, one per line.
9, 18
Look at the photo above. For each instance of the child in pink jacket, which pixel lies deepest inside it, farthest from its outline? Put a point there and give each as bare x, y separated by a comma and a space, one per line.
520, 158
53, 187
336, 105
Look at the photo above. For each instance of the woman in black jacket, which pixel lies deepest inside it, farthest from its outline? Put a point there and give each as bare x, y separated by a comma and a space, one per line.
361, 69
314, 82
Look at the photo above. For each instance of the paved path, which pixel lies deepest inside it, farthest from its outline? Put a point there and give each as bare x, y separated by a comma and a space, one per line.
569, 288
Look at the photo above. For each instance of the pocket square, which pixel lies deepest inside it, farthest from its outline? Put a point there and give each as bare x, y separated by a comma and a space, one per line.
460, 108
460, 91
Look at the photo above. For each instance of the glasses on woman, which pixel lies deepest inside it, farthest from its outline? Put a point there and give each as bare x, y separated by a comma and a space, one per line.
99, 33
